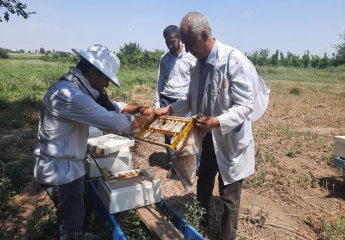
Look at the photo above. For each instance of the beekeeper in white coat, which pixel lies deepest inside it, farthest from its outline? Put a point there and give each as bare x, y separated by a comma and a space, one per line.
222, 89
71, 104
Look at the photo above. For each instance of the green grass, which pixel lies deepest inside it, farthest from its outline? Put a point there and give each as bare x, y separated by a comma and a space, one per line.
332, 75
329, 80
23, 83
26, 56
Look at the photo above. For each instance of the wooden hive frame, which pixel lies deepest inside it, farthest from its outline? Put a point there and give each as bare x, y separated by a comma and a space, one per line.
177, 135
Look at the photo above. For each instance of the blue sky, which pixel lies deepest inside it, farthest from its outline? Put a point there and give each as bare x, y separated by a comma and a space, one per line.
249, 25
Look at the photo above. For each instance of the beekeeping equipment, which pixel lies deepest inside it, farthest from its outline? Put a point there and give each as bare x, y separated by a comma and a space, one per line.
176, 127
128, 190
108, 154
108, 144
339, 146
116, 162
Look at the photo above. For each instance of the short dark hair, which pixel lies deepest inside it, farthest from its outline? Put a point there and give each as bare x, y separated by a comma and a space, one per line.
171, 29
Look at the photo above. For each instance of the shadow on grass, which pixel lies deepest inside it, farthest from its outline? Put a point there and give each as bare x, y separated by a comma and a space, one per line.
19, 114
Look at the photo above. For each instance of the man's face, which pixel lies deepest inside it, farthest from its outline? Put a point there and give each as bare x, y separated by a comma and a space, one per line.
98, 80
173, 43
192, 44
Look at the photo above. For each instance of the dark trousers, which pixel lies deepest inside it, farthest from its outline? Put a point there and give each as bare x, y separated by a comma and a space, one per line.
69, 202
165, 101
229, 194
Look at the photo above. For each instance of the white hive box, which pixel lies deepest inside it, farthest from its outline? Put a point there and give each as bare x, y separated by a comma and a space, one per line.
130, 193
339, 147
108, 144
116, 162
94, 132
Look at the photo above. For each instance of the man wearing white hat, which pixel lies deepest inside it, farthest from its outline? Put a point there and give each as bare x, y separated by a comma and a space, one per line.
71, 104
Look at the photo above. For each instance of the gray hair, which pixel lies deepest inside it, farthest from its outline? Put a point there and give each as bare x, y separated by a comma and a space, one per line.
196, 23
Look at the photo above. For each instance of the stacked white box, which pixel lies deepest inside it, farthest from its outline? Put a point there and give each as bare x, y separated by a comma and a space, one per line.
111, 152
339, 146
116, 162
108, 144
130, 193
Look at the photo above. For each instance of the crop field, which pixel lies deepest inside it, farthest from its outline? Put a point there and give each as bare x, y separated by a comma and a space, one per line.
295, 193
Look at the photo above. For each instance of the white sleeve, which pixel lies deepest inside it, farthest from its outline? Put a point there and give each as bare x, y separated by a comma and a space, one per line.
75, 105
160, 83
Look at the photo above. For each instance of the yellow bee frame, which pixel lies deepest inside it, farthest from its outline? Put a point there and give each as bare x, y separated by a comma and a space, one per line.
179, 135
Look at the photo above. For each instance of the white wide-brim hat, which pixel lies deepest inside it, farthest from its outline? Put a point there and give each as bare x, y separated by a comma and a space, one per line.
103, 59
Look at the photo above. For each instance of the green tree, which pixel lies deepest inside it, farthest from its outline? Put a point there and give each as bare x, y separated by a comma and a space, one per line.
275, 58
314, 61
13, 7
130, 49
282, 59
306, 59
340, 55
260, 57
42, 50
325, 61
4, 53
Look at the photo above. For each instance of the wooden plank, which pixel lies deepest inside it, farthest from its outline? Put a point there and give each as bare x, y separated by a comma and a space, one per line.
157, 223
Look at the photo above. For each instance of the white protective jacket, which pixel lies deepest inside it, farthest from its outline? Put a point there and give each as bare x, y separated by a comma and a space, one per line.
67, 111
232, 90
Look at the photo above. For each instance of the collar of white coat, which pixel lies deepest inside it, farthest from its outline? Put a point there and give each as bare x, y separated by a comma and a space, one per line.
213, 56
219, 53
77, 76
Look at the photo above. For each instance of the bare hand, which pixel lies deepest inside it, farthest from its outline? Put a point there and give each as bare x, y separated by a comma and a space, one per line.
206, 123
164, 111
148, 116
148, 111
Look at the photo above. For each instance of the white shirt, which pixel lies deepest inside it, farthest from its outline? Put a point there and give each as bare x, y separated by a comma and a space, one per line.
230, 88
67, 111
174, 76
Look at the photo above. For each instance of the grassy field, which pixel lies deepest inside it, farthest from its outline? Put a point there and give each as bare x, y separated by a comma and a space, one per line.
306, 110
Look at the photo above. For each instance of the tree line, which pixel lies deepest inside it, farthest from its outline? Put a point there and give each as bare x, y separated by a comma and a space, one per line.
132, 55
262, 57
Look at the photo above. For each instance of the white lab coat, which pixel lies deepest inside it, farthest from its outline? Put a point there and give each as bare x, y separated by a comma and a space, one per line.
232, 91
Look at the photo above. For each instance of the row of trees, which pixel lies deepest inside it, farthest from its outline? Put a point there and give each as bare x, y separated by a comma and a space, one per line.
132, 55
262, 57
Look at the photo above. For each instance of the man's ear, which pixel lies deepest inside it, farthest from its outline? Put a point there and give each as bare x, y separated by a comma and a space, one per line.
204, 35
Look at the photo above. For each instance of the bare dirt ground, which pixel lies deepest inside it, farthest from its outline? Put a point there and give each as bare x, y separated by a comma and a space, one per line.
294, 189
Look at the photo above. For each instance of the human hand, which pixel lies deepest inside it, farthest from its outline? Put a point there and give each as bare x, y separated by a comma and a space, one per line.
164, 111
148, 115
149, 112
206, 123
